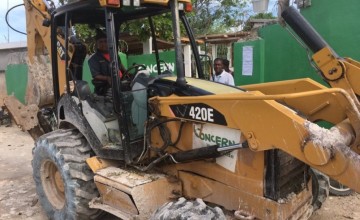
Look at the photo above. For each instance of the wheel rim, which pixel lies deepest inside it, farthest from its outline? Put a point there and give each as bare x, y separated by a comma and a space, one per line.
338, 186
53, 184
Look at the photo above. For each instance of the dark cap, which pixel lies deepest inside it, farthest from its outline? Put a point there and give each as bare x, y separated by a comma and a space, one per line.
100, 35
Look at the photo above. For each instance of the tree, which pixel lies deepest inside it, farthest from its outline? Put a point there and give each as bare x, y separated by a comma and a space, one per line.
208, 16
215, 16
141, 28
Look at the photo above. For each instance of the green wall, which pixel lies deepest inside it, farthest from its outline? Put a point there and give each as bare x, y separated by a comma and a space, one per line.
16, 74
87, 75
16, 79
284, 58
149, 61
258, 62
338, 22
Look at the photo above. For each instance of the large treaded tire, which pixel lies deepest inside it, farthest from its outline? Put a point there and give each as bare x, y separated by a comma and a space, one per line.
320, 188
64, 182
188, 210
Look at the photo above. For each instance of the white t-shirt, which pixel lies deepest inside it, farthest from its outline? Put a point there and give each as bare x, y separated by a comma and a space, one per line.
224, 78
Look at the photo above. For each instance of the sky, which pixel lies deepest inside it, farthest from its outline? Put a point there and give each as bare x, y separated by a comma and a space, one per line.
272, 7
17, 20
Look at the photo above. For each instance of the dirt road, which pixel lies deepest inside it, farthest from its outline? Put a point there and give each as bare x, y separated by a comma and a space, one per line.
339, 208
18, 199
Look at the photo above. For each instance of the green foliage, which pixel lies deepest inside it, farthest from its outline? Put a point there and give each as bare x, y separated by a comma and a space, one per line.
214, 16
86, 35
248, 25
208, 16
141, 28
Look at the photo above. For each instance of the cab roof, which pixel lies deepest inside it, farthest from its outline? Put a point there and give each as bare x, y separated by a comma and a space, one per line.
90, 12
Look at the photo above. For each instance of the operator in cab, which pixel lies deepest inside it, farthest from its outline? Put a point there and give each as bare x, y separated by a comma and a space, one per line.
99, 64
221, 76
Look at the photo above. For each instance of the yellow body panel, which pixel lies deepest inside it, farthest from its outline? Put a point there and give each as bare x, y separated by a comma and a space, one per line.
268, 124
239, 199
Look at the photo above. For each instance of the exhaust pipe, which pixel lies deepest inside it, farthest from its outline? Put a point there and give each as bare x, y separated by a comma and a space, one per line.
180, 80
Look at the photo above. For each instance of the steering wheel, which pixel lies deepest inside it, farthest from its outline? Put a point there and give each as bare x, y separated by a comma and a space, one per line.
130, 76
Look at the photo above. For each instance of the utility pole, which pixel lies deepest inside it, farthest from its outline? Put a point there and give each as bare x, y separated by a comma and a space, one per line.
8, 30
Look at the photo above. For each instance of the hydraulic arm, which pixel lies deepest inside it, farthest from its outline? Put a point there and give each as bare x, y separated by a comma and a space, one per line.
338, 72
39, 15
41, 87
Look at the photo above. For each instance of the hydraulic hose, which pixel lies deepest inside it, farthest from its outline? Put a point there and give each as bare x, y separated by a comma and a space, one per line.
303, 29
7, 21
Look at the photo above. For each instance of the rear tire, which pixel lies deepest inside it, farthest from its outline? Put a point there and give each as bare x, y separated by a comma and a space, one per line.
185, 209
320, 188
338, 189
64, 182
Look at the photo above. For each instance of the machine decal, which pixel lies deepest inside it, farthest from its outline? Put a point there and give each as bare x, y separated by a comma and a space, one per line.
199, 112
60, 50
208, 134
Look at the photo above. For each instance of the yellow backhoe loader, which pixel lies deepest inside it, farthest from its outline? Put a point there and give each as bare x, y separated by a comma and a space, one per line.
172, 147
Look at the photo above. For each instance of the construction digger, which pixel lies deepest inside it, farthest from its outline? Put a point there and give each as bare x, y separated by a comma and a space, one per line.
173, 147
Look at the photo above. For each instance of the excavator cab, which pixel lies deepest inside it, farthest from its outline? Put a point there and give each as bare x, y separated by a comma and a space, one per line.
125, 106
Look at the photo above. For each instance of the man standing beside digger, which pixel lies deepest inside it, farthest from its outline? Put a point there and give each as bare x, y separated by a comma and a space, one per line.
220, 75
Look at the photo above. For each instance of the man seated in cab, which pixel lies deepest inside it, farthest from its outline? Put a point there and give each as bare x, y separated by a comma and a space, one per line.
99, 64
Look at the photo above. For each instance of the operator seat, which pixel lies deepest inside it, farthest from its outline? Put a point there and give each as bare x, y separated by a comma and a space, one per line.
78, 58
82, 90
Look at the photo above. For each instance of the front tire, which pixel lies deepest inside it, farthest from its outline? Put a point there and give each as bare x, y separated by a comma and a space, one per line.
320, 188
64, 182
